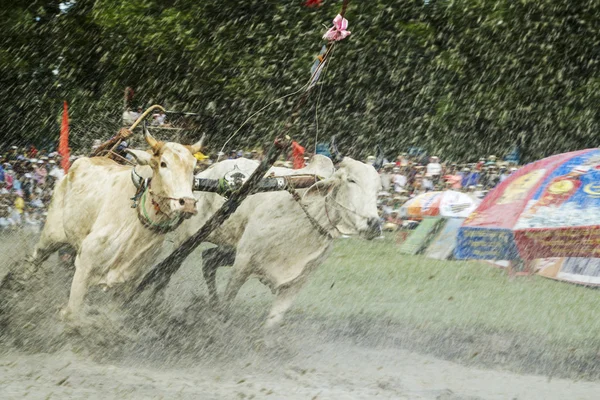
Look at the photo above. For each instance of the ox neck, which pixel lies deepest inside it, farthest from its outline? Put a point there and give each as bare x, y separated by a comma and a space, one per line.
328, 217
152, 218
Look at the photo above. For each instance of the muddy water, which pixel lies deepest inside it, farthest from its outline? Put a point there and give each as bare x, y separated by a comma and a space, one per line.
181, 349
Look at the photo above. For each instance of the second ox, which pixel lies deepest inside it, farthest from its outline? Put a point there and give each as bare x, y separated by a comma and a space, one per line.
271, 237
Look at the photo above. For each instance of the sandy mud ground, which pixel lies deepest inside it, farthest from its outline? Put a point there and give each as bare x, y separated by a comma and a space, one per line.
180, 349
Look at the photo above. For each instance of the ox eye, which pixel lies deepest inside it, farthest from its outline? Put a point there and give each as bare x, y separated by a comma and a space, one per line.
351, 180
163, 164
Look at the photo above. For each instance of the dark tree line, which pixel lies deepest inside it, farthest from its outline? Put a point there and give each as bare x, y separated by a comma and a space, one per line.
463, 78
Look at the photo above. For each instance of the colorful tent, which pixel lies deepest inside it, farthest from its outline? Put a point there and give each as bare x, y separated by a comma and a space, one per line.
550, 208
446, 204
420, 238
443, 245
583, 271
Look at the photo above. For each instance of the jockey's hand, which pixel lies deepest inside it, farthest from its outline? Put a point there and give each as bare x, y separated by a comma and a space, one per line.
124, 132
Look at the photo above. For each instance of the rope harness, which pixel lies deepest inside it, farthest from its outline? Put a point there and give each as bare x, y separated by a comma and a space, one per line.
143, 189
164, 227
318, 227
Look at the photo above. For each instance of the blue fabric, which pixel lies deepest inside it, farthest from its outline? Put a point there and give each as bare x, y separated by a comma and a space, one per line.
485, 244
323, 149
470, 179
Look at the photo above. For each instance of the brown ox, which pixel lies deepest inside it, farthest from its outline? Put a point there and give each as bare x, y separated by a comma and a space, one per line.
91, 210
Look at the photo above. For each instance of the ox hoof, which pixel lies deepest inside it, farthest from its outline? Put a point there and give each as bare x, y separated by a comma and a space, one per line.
66, 314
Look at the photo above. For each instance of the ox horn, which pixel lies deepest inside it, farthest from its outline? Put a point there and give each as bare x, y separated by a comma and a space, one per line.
196, 147
149, 139
336, 156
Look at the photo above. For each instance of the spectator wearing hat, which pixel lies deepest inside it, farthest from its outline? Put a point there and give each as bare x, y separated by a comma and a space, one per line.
480, 164
469, 178
40, 173
387, 176
453, 179
427, 182
491, 160
399, 179
434, 169
55, 171
503, 174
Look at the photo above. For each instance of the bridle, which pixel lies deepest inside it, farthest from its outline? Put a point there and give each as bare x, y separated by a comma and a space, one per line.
144, 188
159, 227
328, 197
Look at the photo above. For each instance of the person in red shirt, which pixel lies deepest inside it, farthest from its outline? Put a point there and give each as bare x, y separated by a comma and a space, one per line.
297, 155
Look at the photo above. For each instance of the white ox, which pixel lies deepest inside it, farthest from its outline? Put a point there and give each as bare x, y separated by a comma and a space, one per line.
91, 210
272, 236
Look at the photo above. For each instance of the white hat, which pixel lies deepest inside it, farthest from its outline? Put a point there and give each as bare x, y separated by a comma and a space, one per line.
40, 161
33, 160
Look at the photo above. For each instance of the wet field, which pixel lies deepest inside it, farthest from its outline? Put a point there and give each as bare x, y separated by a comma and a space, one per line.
366, 326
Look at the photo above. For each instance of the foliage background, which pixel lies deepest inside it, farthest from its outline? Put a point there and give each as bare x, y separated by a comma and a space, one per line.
463, 78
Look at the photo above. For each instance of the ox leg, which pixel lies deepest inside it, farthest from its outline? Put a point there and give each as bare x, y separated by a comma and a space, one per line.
211, 260
241, 271
43, 250
79, 288
283, 301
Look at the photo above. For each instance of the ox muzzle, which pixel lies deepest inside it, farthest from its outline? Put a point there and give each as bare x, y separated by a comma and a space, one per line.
187, 206
373, 229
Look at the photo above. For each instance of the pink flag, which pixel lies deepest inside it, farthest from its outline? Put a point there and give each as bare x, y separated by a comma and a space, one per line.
339, 29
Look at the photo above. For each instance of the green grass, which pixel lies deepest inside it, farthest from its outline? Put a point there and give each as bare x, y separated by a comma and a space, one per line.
374, 278
462, 310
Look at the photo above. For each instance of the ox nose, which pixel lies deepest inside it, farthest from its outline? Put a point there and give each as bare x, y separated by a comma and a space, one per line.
373, 228
188, 206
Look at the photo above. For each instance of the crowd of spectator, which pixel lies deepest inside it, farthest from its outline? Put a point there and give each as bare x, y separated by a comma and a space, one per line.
409, 176
27, 178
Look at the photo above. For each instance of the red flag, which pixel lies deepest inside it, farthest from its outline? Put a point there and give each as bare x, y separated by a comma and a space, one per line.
298, 155
63, 143
312, 3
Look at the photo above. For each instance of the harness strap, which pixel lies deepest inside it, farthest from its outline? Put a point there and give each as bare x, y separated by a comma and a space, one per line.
164, 227
322, 231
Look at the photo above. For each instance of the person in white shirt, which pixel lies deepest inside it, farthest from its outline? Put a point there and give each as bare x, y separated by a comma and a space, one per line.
386, 177
434, 169
427, 182
55, 171
399, 180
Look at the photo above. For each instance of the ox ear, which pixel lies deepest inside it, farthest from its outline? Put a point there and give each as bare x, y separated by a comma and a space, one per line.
322, 188
142, 157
